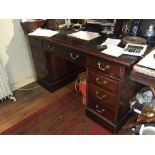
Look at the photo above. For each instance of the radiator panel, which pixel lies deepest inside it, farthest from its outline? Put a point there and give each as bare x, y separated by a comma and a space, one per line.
5, 89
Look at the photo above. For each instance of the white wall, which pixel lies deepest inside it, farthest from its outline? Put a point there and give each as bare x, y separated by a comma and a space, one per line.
14, 44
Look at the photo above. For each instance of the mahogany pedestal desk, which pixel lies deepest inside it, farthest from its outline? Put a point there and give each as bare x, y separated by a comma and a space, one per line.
60, 58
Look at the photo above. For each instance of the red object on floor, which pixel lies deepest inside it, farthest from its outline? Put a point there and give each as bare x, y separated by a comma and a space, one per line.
82, 88
66, 117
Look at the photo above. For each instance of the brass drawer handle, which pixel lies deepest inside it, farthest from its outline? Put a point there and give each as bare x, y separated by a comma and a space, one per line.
74, 57
103, 69
100, 97
100, 82
100, 111
51, 48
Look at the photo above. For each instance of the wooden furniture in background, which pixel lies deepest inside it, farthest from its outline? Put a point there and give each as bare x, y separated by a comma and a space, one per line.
31, 25
144, 79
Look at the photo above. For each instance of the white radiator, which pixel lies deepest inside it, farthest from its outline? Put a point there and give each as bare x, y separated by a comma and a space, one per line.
5, 89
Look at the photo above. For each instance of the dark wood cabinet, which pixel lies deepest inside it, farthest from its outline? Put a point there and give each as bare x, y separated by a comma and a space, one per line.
109, 90
56, 67
39, 59
52, 70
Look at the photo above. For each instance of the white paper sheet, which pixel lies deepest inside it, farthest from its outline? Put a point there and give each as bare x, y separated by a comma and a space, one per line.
113, 50
148, 60
85, 35
110, 41
43, 32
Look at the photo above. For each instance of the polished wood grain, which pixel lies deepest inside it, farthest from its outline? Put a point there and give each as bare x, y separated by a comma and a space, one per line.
105, 66
144, 79
66, 53
101, 109
114, 97
28, 102
104, 97
52, 70
103, 81
72, 55
61, 47
31, 101
86, 47
57, 67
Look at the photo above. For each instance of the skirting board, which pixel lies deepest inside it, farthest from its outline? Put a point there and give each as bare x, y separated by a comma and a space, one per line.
23, 83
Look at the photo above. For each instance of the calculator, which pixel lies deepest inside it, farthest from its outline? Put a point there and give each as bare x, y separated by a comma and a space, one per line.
134, 49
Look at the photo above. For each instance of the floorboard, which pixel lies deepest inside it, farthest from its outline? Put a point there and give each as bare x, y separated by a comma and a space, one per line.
29, 101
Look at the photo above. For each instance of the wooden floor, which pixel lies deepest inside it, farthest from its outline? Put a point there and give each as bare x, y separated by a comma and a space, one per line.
28, 101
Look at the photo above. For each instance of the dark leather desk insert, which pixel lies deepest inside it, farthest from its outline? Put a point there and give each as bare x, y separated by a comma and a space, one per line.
59, 59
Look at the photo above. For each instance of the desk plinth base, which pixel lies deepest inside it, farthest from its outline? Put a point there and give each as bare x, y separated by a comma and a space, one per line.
114, 128
52, 86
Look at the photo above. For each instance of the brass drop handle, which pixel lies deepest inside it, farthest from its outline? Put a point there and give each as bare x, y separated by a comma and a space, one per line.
51, 48
100, 97
100, 82
74, 57
100, 111
103, 68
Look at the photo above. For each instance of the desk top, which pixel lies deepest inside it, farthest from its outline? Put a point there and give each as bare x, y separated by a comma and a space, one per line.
89, 47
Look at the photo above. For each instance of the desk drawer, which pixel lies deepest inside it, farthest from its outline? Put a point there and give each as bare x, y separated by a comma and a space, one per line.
103, 82
102, 110
35, 43
66, 53
105, 66
71, 54
102, 96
